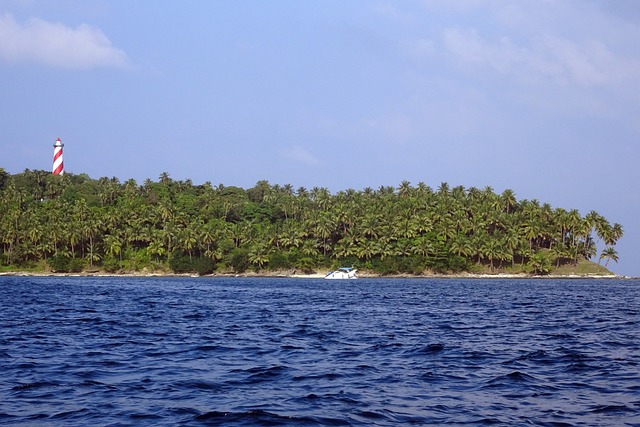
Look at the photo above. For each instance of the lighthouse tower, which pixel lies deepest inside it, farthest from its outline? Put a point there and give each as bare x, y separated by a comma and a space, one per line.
58, 164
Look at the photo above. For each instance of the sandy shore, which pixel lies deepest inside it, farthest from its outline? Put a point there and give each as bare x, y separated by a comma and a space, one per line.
295, 275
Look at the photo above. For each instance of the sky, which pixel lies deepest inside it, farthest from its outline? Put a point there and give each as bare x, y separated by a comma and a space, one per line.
541, 97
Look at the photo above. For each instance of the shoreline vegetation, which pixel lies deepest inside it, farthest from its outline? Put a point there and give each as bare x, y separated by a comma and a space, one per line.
76, 225
293, 274
584, 270
318, 276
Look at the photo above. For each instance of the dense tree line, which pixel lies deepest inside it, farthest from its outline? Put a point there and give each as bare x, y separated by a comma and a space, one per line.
74, 222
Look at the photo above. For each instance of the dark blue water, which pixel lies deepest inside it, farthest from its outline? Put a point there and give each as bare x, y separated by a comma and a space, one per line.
198, 352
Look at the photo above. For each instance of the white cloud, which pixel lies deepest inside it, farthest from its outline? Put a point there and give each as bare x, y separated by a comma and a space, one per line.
460, 6
574, 42
419, 48
386, 9
469, 47
300, 155
57, 45
587, 63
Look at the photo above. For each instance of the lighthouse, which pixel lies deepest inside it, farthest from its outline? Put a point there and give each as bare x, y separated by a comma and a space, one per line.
58, 164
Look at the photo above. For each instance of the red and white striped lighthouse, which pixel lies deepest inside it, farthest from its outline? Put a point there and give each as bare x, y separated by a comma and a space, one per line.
58, 164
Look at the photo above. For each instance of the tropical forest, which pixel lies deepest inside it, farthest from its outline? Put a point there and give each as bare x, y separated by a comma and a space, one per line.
74, 223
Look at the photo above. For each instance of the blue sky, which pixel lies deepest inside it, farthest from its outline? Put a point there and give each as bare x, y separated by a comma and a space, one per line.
542, 97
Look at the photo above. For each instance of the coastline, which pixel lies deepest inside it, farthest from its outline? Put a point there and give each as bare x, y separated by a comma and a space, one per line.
295, 275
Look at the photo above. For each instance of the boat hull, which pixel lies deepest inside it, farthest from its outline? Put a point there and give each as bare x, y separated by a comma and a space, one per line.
342, 275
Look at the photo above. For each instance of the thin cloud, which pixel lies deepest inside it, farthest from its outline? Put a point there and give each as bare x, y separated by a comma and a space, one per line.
419, 48
57, 45
560, 59
300, 155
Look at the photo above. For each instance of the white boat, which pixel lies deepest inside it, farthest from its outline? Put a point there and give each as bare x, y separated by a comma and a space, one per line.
343, 273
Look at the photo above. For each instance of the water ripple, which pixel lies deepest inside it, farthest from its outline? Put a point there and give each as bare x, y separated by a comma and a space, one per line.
193, 352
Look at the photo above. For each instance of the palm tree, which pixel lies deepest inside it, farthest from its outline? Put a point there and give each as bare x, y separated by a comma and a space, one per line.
187, 239
533, 230
403, 247
461, 246
491, 250
343, 249
608, 254
325, 228
511, 243
559, 251
509, 201
404, 190
447, 229
366, 249
443, 189
310, 249
478, 244
370, 225
113, 245
540, 263
574, 220
617, 233
208, 234
90, 229
156, 247
562, 221
259, 254
165, 178
423, 246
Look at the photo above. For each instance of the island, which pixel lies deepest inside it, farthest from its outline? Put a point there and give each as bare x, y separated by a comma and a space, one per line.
74, 223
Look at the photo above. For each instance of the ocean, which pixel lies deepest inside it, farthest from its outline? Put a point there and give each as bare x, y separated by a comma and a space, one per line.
120, 351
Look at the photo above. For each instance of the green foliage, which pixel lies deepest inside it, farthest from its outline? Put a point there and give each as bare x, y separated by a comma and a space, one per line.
59, 263
279, 260
63, 264
134, 259
4, 177
203, 265
111, 264
104, 223
457, 264
239, 260
540, 263
76, 265
179, 262
398, 265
